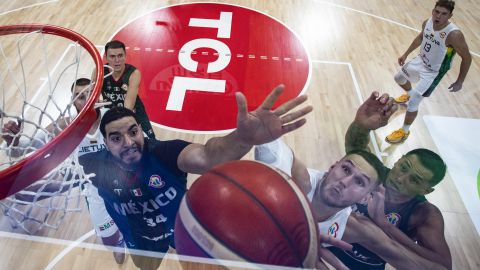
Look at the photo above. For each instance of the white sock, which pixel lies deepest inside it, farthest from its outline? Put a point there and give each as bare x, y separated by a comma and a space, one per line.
406, 128
276, 154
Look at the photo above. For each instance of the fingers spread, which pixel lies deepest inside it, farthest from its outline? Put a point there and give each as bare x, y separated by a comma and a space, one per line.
287, 106
292, 126
296, 114
241, 105
272, 97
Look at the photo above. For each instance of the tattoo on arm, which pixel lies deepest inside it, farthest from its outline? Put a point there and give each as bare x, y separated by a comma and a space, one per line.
356, 138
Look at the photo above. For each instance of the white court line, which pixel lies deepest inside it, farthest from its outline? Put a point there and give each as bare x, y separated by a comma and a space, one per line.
359, 96
25, 7
378, 17
68, 249
78, 243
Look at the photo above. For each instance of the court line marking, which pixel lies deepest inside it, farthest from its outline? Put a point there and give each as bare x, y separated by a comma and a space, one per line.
171, 256
25, 7
68, 249
378, 17
79, 241
359, 96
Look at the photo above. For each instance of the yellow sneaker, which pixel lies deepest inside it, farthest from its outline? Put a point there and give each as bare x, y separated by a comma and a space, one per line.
398, 136
402, 99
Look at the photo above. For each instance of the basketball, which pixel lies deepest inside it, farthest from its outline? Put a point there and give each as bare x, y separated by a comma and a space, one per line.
247, 211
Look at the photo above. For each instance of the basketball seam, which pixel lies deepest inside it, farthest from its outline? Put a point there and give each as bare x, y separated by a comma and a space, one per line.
196, 217
249, 194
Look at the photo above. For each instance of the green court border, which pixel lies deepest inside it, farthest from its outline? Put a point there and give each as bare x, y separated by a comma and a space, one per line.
478, 183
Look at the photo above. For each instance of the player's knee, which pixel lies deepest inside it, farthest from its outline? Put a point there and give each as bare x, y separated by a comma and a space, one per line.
414, 101
400, 78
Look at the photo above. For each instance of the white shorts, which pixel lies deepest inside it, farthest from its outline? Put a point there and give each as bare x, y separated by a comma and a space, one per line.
415, 71
101, 220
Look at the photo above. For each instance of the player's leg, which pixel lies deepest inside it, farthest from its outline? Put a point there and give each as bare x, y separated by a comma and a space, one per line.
104, 225
415, 97
405, 76
148, 262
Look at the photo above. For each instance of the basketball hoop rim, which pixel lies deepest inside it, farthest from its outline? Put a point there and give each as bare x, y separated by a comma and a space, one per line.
45, 159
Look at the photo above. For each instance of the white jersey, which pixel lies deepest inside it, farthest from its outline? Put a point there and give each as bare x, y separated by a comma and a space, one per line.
103, 223
434, 51
91, 143
334, 225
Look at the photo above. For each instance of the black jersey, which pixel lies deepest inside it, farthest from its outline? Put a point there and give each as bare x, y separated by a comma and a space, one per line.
143, 203
360, 257
116, 91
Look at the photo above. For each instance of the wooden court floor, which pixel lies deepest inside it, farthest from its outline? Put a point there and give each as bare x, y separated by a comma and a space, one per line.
353, 46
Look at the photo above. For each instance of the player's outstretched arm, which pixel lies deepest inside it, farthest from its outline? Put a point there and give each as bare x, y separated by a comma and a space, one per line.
362, 230
372, 114
257, 127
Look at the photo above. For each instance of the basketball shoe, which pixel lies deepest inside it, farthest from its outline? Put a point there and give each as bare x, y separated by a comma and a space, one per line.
398, 136
402, 99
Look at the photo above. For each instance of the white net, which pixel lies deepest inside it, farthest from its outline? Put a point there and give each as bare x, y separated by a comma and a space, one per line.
37, 71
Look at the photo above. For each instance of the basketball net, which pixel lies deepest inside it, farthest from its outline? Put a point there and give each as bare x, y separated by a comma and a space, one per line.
40, 173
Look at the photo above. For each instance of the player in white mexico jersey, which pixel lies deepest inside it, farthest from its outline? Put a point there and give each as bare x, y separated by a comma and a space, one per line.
439, 41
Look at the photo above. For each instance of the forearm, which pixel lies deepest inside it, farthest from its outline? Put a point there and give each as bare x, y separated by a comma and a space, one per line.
464, 67
356, 138
226, 148
415, 44
397, 235
130, 99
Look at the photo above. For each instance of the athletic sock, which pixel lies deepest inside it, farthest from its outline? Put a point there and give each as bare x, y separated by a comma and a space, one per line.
406, 128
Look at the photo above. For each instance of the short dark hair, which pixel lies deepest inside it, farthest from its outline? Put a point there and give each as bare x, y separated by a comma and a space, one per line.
114, 114
448, 4
374, 161
433, 162
114, 44
80, 82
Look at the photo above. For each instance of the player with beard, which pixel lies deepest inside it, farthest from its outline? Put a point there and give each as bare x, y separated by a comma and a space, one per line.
143, 180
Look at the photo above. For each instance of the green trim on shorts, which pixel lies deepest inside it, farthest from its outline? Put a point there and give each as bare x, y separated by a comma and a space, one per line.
446, 64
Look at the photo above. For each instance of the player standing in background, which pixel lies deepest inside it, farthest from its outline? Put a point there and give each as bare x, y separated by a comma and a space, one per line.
440, 40
104, 225
121, 88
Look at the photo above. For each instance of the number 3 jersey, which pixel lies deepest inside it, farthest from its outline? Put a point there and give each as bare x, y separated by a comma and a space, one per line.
143, 203
435, 53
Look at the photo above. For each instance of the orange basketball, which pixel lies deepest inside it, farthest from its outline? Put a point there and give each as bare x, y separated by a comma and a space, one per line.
247, 211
